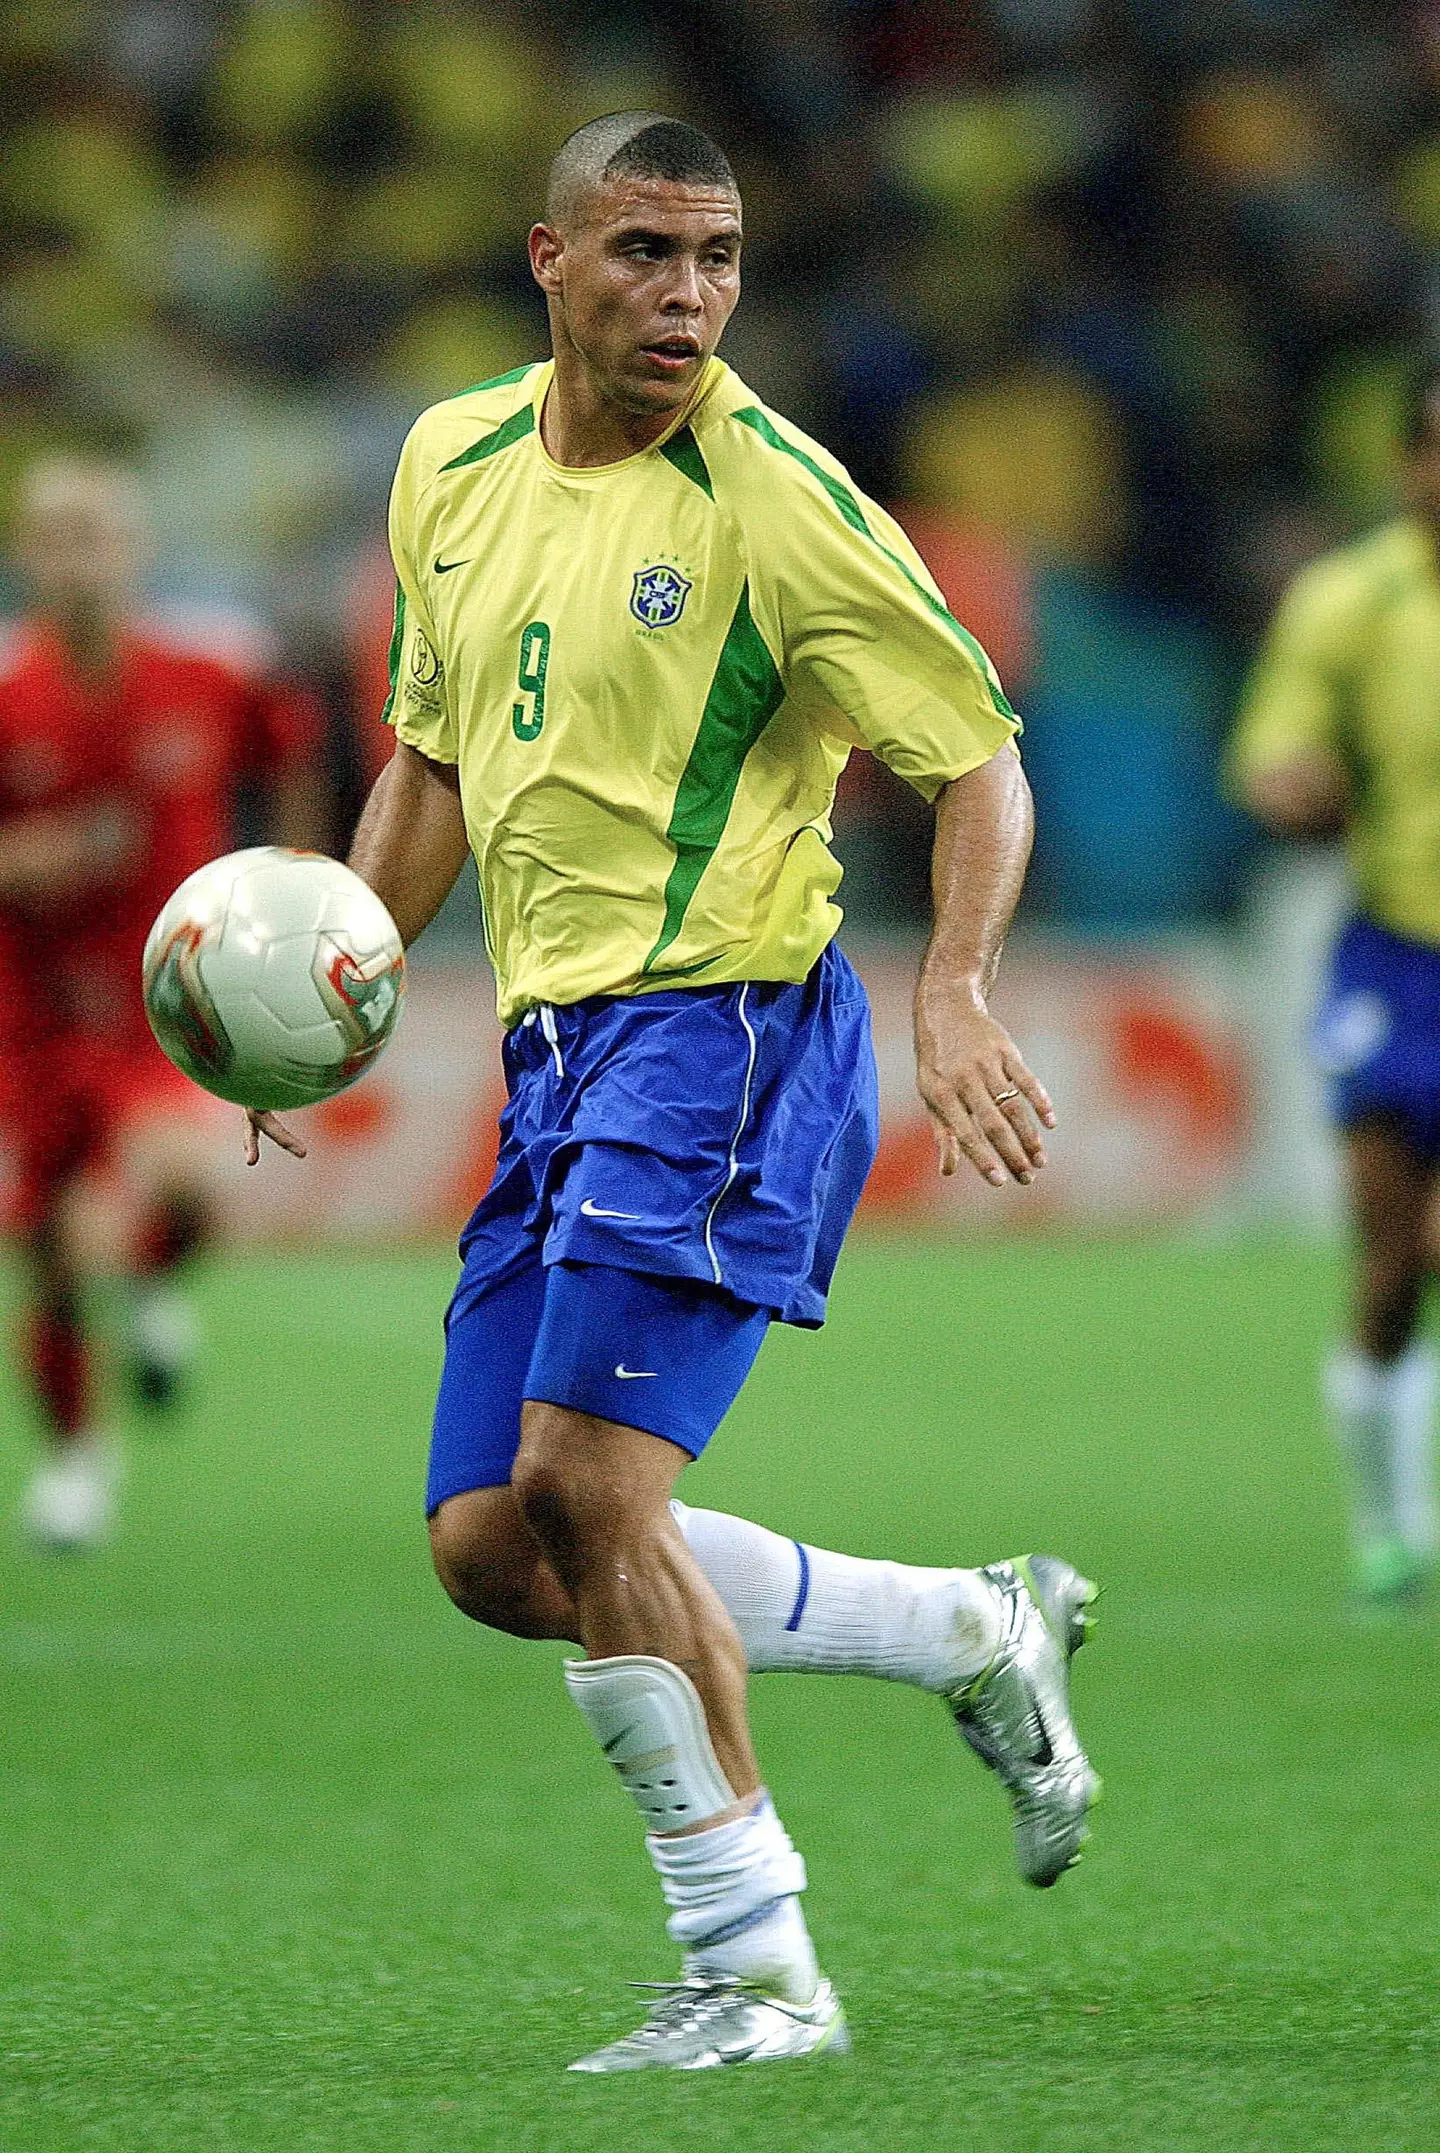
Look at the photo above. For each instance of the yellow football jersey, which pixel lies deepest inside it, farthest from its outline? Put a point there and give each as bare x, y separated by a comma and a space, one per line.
1352, 665
650, 675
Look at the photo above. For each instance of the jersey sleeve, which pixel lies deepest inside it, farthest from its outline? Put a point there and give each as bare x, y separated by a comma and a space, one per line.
417, 705
1296, 698
865, 631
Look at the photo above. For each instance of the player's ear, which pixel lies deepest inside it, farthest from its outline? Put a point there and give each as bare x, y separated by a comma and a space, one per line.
546, 248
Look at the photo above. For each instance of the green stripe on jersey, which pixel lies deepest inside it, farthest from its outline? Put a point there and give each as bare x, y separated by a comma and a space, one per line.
397, 639
516, 427
854, 515
744, 696
498, 381
683, 450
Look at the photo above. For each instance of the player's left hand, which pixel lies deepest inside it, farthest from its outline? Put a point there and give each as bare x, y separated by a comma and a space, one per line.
258, 1125
979, 1091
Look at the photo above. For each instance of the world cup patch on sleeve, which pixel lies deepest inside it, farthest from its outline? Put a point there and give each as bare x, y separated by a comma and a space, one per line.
423, 686
658, 595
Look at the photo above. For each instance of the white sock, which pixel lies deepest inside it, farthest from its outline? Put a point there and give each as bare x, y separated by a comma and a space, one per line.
163, 1324
1354, 1387
808, 1610
1384, 1416
733, 1893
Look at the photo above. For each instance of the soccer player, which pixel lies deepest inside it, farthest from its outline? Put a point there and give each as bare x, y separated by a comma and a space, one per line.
641, 623
119, 755
1340, 731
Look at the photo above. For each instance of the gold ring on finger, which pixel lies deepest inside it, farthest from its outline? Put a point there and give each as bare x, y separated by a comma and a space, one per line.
1002, 1096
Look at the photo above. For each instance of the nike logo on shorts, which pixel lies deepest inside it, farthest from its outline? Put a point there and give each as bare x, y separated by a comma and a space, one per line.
591, 1210
629, 1375
443, 568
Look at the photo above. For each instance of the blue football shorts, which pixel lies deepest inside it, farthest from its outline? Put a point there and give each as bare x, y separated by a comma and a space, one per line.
1377, 1033
676, 1171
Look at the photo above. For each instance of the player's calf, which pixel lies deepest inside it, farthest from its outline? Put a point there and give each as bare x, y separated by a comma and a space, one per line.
595, 1495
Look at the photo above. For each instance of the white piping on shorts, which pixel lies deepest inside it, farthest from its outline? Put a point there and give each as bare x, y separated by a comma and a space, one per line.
734, 1166
552, 1038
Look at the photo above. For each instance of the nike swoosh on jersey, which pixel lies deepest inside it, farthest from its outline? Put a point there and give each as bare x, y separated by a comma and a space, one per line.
592, 1210
628, 1375
443, 568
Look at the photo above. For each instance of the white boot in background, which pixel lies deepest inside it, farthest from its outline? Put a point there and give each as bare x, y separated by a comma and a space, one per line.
70, 1502
162, 1341
1384, 1419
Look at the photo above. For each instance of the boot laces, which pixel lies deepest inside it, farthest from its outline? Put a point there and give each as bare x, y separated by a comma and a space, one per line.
685, 2006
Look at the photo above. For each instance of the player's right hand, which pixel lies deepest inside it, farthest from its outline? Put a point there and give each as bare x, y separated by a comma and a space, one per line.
258, 1125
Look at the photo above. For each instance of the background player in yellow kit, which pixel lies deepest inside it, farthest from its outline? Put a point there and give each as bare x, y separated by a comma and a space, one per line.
1341, 730
641, 622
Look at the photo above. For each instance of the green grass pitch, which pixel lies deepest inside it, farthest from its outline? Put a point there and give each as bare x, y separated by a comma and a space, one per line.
292, 1860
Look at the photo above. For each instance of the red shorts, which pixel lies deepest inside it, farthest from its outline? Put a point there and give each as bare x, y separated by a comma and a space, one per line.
63, 1109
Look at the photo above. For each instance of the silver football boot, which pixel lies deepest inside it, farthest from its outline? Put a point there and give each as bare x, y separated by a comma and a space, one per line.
696, 2025
1016, 1715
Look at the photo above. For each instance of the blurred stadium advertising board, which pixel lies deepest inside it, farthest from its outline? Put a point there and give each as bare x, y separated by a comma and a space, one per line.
1147, 1050
1141, 1051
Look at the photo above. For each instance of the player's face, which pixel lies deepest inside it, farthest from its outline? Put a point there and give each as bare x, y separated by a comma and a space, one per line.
79, 546
643, 287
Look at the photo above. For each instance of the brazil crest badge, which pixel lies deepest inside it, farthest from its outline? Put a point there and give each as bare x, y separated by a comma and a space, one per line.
658, 595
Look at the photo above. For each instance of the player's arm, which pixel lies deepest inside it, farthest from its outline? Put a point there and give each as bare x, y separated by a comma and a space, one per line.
410, 843
863, 623
42, 854
1286, 764
972, 1077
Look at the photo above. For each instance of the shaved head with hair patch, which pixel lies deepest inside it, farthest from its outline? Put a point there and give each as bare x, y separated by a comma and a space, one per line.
639, 260
634, 146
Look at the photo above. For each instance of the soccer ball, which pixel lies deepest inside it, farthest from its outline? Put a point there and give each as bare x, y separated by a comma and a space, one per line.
273, 978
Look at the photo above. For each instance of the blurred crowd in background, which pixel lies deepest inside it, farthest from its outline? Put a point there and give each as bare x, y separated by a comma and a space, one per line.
1114, 303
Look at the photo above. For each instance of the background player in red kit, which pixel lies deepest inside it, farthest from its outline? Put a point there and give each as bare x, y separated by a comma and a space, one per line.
120, 756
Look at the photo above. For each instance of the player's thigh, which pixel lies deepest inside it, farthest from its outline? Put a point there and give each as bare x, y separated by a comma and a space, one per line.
490, 1332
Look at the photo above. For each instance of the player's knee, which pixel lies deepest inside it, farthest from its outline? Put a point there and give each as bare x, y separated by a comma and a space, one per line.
482, 1579
572, 1508
551, 1494
585, 1487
